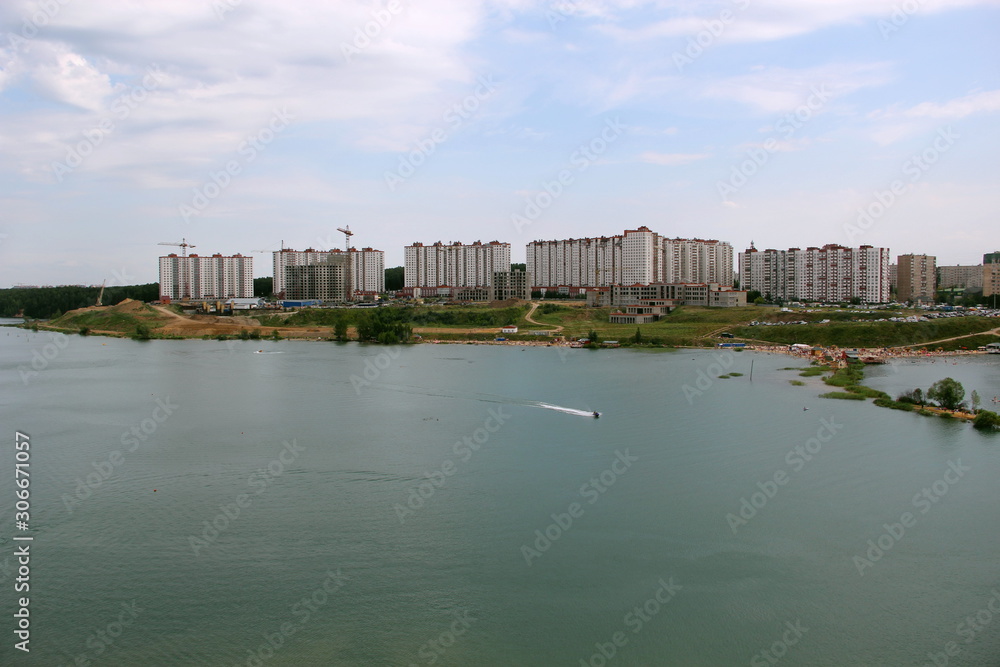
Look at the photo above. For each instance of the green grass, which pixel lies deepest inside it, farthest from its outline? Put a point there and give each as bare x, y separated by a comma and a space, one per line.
868, 334
736, 375
868, 392
797, 383
893, 405
813, 371
843, 395
846, 377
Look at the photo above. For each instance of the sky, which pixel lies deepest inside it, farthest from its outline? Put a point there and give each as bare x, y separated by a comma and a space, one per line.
240, 125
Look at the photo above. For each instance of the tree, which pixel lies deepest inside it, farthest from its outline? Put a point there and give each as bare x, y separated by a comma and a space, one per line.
263, 286
384, 325
975, 400
753, 295
142, 332
638, 336
593, 337
914, 396
987, 420
948, 393
340, 329
394, 279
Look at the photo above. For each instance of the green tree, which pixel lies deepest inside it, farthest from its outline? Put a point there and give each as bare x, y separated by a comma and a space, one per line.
975, 400
275, 334
948, 393
263, 286
593, 337
638, 336
142, 332
384, 325
394, 279
340, 329
987, 420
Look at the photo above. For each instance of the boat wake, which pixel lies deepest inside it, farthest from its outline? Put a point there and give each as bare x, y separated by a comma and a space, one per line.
569, 411
483, 398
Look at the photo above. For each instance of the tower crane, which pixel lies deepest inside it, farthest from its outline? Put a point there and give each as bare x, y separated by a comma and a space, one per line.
184, 245
348, 282
346, 231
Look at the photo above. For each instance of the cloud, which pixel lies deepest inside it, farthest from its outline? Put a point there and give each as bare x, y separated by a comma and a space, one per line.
671, 159
984, 102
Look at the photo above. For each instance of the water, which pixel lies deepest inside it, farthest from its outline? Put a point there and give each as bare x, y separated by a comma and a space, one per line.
329, 447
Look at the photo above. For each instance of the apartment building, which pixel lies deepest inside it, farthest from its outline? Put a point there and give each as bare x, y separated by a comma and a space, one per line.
969, 278
365, 270
991, 273
213, 277
454, 264
916, 278
832, 273
637, 256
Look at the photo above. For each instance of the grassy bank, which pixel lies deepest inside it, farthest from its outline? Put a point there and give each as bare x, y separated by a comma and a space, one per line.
871, 334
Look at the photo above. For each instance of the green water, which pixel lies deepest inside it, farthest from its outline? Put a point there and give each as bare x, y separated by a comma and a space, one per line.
335, 545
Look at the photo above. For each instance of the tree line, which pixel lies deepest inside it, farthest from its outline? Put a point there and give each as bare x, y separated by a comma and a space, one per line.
49, 302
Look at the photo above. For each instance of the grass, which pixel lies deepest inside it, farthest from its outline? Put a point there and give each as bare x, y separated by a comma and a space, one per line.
894, 405
736, 375
868, 334
797, 383
812, 372
843, 395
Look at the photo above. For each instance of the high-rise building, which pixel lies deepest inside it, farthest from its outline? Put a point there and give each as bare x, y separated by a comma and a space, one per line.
636, 257
991, 273
366, 268
197, 277
590, 262
455, 264
326, 280
696, 261
968, 277
832, 273
916, 277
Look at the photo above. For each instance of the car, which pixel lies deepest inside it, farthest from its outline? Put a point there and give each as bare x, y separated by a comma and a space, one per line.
726, 334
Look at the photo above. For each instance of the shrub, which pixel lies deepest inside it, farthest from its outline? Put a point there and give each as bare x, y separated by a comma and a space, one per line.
948, 393
987, 420
844, 395
893, 405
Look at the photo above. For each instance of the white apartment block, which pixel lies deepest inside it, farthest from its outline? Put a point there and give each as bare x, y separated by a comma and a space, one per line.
593, 262
367, 267
696, 261
454, 264
197, 277
832, 273
636, 257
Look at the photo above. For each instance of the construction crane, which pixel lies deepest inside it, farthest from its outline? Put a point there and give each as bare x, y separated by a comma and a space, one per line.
184, 245
346, 231
348, 282
282, 248
100, 295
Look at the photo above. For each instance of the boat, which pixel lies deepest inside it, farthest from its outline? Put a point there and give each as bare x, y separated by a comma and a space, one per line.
596, 414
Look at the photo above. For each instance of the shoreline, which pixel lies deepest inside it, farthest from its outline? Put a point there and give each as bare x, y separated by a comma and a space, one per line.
903, 352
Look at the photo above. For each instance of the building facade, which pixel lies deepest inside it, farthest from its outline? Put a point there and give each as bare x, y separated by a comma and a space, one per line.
916, 278
991, 274
637, 256
324, 281
832, 273
969, 278
513, 284
365, 274
214, 277
454, 264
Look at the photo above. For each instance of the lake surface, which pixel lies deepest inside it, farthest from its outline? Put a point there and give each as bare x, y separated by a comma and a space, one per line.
293, 503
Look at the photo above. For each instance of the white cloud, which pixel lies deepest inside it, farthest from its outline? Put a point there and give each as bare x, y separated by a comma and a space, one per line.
671, 159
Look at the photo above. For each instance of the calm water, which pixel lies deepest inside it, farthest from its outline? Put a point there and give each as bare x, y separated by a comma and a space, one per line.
338, 558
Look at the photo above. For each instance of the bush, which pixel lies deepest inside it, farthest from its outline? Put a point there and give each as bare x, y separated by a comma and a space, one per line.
987, 420
797, 383
844, 395
84, 331
142, 332
893, 405
914, 396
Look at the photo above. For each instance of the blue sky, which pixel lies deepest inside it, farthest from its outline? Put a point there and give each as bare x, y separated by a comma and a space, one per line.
239, 124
